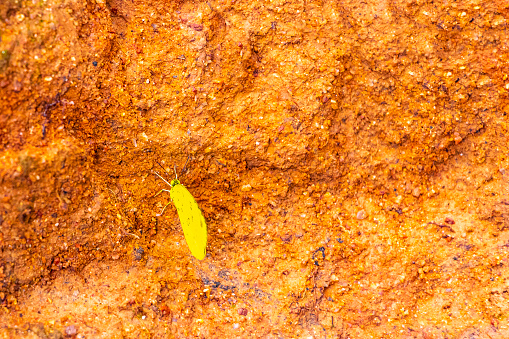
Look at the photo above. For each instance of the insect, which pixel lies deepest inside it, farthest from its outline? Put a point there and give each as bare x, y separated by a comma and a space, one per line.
191, 218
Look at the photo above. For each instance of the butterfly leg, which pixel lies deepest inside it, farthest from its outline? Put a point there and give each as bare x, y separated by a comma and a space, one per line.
163, 209
163, 190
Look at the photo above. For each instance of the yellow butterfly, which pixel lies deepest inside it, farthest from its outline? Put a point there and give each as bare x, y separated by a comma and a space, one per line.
192, 220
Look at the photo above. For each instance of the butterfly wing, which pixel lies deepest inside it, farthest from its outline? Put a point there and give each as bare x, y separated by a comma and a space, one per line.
192, 220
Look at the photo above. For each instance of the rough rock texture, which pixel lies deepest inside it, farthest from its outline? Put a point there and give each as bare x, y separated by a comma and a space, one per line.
351, 160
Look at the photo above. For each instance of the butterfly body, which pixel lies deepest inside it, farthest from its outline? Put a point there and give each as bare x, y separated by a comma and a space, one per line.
191, 218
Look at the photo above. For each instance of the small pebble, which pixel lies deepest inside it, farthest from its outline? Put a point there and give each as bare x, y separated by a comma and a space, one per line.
416, 192
94, 63
287, 238
449, 221
242, 311
361, 215
457, 138
17, 86
138, 253
235, 326
70, 330
196, 27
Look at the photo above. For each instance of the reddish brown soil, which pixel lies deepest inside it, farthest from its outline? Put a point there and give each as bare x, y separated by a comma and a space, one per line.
351, 160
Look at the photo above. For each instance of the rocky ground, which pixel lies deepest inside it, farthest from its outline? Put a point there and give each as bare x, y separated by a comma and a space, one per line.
350, 158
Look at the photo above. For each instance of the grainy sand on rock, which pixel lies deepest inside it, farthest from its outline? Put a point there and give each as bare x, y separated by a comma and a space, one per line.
350, 158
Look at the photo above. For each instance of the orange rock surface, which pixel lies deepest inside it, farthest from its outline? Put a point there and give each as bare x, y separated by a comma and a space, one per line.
351, 160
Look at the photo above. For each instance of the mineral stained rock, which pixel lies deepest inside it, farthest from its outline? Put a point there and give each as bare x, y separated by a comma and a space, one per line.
351, 160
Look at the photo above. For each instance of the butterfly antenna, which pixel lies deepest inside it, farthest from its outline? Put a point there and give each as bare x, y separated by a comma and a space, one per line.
165, 171
163, 179
184, 168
